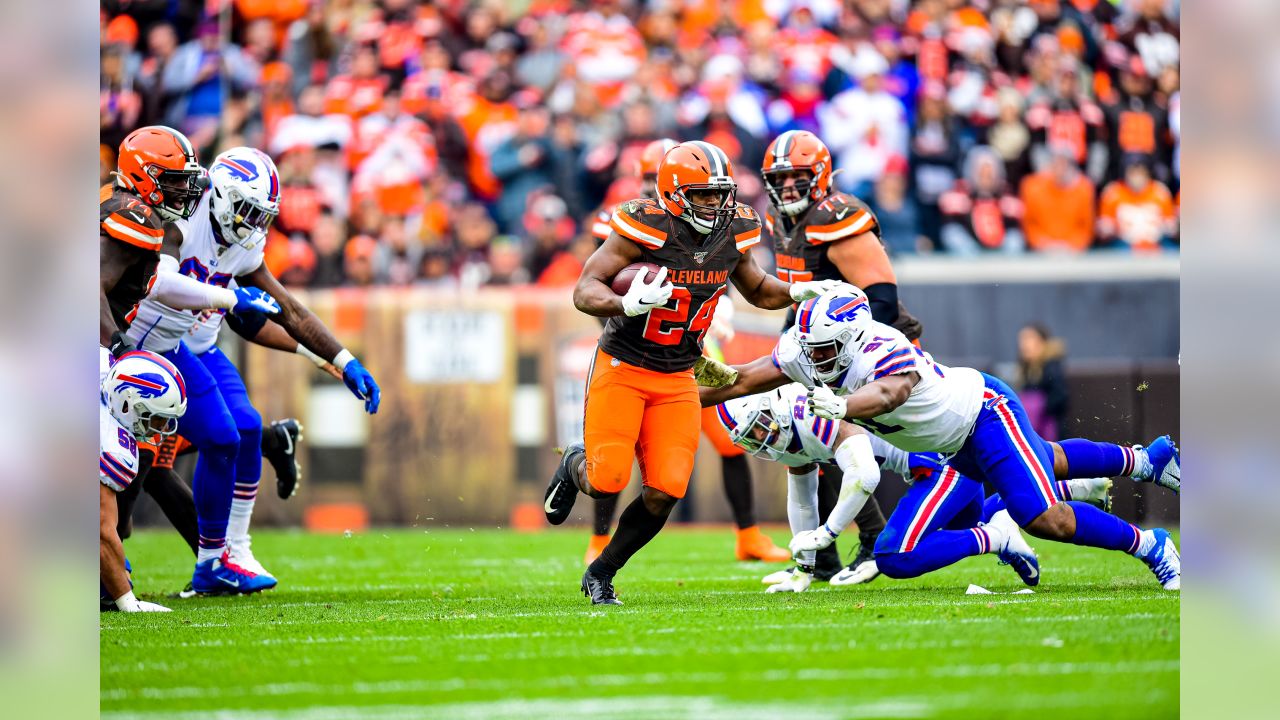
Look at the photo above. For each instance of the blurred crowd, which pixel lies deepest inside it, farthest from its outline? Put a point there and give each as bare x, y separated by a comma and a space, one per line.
468, 142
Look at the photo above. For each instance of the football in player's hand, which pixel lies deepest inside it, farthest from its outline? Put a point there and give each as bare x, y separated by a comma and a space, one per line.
621, 282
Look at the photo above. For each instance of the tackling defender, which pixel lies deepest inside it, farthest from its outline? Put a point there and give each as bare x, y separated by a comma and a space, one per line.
142, 395
221, 243
642, 399
781, 427
750, 543
894, 390
820, 233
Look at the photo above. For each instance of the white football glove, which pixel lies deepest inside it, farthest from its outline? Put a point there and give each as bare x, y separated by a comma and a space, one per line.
644, 296
812, 540
797, 582
801, 291
825, 403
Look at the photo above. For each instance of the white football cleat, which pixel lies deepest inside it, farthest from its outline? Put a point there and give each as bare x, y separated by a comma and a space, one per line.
863, 572
1012, 548
1095, 491
797, 581
774, 578
241, 553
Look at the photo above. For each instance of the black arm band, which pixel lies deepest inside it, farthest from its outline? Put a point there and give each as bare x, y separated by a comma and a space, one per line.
246, 324
884, 302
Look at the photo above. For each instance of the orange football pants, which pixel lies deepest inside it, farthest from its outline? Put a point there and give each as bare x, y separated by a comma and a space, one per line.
636, 413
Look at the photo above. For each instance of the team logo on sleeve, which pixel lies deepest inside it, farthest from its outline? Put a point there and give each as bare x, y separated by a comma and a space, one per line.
148, 385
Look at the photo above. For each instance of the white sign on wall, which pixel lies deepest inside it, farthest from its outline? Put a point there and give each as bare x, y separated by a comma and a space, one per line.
454, 346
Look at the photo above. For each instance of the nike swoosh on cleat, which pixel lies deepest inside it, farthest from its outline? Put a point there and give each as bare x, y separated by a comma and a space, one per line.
1035, 573
232, 583
547, 505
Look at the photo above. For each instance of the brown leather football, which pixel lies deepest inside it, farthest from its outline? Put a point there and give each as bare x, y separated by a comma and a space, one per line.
622, 281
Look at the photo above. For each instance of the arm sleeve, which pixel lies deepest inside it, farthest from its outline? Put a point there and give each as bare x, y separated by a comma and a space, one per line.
861, 477
183, 293
884, 302
802, 507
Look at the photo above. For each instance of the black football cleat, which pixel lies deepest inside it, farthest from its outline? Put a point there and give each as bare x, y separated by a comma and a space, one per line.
281, 450
563, 491
826, 564
599, 588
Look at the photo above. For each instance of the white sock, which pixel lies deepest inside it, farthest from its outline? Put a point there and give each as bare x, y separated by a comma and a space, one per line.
1146, 542
209, 553
241, 511
997, 538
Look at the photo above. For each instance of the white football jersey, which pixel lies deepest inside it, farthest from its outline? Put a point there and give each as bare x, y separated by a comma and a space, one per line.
118, 460
158, 327
938, 415
813, 438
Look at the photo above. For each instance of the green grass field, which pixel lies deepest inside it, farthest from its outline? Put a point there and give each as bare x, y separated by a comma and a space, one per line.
490, 624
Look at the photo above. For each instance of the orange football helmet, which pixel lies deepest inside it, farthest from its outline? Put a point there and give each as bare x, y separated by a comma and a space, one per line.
797, 150
646, 167
699, 169
160, 166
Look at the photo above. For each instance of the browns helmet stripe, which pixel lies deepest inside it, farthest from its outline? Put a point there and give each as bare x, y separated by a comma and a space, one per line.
183, 142
782, 147
715, 157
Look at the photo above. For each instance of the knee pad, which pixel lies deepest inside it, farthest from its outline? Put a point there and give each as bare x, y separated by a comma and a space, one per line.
609, 466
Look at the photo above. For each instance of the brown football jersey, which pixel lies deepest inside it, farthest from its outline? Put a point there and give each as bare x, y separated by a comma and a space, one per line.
669, 339
801, 245
124, 218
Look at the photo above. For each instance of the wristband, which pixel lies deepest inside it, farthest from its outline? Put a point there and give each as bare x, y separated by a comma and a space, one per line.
833, 535
342, 358
806, 569
119, 344
304, 352
127, 602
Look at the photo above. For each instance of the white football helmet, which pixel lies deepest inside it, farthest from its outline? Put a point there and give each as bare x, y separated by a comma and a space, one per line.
831, 328
145, 393
759, 424
246, 195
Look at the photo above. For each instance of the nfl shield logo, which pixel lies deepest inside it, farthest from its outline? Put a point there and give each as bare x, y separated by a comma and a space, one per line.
699, 257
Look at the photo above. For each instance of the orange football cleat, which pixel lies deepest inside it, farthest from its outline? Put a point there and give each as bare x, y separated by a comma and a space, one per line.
594, 548
755, 545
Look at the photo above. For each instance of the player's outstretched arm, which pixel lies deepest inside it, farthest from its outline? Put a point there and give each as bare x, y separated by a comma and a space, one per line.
111, 558
592, 295
759, 375
766, 291
257, 329
303, 326
871, 400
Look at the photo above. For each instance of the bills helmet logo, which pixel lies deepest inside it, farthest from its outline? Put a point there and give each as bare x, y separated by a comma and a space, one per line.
240, 169
846, 308
148, 385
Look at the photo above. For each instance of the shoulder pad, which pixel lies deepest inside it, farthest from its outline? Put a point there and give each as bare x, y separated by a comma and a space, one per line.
838, 217
745, 227
635, 220
130, 221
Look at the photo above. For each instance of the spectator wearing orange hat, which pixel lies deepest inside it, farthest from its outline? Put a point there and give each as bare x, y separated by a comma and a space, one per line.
358, 260
1058, 205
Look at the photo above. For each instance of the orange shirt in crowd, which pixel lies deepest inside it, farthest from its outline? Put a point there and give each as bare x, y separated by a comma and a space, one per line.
563, 271
1056, 217
1138, 218
486, 125
346, 95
